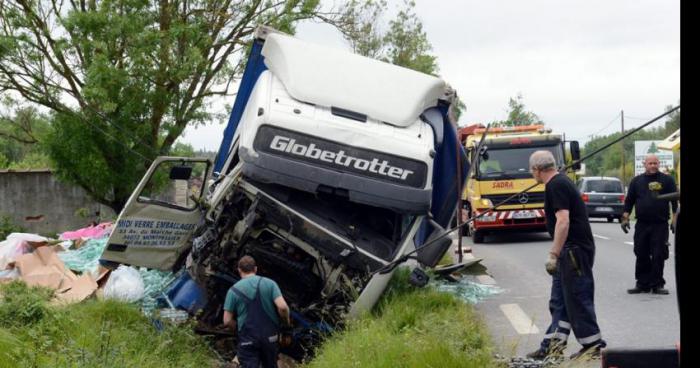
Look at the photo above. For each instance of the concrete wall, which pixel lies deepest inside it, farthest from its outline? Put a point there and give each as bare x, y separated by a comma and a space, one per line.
37, 201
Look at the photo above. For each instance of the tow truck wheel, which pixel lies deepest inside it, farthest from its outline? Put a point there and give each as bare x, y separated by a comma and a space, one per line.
478, 237
611, 219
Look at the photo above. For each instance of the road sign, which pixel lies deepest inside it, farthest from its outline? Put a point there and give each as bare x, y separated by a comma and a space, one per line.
643, 148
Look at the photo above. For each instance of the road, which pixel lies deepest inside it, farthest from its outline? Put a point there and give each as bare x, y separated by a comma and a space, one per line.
516, 263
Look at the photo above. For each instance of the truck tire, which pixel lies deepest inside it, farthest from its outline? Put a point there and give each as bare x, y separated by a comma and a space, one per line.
478, 237
611, 219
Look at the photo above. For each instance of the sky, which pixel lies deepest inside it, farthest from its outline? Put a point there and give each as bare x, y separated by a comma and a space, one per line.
576, 63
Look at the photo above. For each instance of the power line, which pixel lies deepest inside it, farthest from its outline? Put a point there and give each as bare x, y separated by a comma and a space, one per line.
635, 118
117, 140
606, 127
134, 138
391, 265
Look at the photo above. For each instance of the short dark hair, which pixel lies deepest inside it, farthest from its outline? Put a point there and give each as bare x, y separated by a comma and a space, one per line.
246, 264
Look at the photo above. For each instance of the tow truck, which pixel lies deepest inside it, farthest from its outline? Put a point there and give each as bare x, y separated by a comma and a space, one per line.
500, 168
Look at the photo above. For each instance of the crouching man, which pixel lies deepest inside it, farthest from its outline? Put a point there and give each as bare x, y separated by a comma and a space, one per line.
257, 305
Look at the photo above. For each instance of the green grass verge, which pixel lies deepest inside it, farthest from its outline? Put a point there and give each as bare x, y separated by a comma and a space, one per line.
410, 328
89, 334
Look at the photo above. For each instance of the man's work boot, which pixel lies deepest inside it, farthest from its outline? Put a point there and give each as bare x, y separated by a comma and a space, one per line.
589, 352
554, 350
538, 354
659, 290
637, 290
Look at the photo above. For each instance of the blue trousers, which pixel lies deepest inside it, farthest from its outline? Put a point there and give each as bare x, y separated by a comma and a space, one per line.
571, 301
558, 331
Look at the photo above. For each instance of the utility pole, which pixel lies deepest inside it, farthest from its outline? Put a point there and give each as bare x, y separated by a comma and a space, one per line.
622, 144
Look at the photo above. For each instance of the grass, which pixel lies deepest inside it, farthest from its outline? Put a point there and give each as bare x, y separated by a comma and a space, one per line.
410, 327
90, 334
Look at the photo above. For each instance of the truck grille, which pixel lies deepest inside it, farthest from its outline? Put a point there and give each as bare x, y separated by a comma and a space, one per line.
537, 197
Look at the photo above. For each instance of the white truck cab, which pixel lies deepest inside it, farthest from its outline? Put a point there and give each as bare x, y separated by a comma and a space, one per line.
332, 167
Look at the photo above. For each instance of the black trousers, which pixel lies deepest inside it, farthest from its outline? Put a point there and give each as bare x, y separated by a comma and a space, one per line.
651, 249
578, 289
253, 353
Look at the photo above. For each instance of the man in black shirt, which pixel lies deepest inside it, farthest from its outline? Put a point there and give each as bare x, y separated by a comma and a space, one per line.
570, 263
651, 230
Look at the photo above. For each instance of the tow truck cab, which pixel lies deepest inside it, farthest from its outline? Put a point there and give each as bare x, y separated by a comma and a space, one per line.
500, 168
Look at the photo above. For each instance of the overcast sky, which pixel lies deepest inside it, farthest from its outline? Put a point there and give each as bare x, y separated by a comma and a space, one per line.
576, 63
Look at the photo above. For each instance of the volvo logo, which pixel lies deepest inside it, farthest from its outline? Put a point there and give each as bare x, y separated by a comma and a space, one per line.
523, 198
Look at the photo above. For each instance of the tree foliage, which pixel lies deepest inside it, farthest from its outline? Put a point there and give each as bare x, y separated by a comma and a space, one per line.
22, 131
610, 162
124, 78
401, 41
518, 115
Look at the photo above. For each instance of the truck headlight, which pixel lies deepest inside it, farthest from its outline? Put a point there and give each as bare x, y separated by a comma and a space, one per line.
487, 218
486, 202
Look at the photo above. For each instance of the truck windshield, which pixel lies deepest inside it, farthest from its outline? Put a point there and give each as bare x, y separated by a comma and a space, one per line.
512, 163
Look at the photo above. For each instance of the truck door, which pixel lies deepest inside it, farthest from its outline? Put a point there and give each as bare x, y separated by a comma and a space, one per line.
155, 227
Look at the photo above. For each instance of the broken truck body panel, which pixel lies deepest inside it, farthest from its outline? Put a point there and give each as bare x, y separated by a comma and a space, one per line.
322, 241
153, 231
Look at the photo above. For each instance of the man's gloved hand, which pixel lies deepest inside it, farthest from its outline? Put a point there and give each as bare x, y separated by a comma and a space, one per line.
673, 227
625, 224
551, 264
286, 333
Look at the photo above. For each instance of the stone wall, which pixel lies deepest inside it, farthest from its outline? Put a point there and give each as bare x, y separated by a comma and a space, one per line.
37, 201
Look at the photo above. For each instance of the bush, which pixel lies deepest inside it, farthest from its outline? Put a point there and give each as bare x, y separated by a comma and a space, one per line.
411, 328
7, 227
21, 305
93, 333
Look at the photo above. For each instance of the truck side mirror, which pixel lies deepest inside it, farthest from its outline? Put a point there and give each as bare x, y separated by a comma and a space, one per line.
484, 152
431, 255
575, 154
181, 173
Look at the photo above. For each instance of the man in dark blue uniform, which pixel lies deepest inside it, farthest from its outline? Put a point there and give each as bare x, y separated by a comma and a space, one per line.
651, 231
257, 305
570, 263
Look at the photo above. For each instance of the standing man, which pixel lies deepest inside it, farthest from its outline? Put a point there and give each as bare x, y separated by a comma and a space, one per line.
651, 231
258, 305
570, 263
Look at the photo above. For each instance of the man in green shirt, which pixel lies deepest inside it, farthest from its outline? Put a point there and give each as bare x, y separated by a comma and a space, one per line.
255, 306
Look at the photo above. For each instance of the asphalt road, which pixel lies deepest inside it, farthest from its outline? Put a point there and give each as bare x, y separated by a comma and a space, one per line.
516, 263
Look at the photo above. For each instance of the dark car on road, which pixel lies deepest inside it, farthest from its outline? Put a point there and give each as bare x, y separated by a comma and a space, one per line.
604, 197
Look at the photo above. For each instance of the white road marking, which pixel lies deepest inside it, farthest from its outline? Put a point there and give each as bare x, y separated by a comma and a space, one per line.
630, 243
520, 321
601, 237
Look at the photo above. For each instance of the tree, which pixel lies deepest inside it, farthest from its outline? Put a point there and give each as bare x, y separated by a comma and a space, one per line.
123, 78
407, 43
517, 115
652, 148
609, 163
21, 132
403, 42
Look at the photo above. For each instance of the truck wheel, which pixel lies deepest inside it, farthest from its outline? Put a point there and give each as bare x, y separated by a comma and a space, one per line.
478, 237
611, 219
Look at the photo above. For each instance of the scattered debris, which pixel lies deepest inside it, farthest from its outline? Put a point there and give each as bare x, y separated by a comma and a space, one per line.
520, 362
90, 232
18, 244
86, 258
125, 284
154, 282
468, 291
43, 268
173, 315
